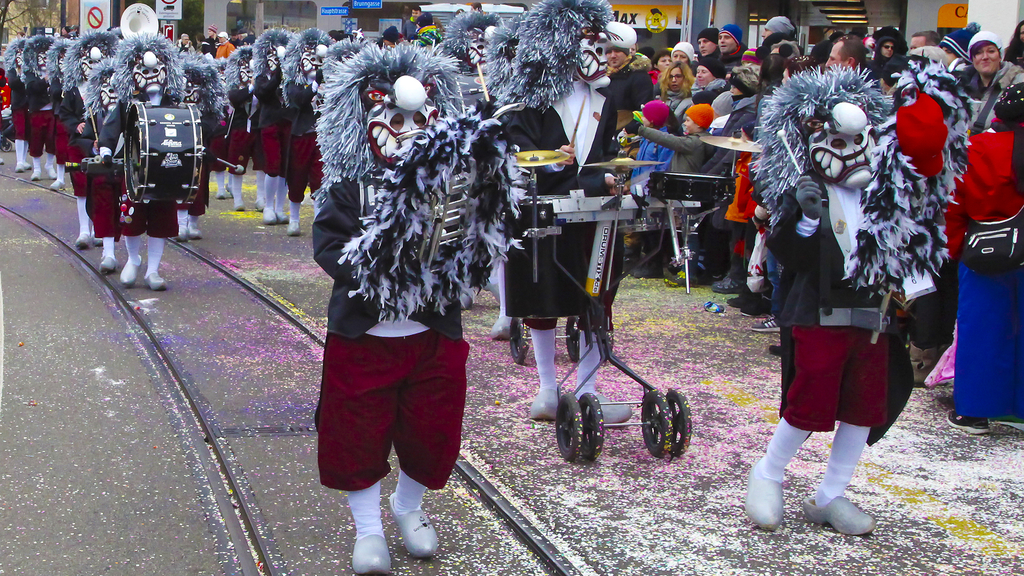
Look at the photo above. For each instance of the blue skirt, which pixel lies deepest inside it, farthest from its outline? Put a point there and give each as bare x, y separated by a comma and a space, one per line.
989, 380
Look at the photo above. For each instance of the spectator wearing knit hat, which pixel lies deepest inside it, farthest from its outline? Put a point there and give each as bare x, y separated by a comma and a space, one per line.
683, 51
390, 37
630, 84
730, 43
955, 45
707, 43
209, 45
779, 25
710, 76
743, 84
989, 77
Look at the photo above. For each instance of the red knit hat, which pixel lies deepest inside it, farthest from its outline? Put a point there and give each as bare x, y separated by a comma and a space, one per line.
656, 113
922, 132
701, 114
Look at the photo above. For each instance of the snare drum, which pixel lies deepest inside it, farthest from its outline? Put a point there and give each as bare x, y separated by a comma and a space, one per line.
162, 152
555, 294
692, 187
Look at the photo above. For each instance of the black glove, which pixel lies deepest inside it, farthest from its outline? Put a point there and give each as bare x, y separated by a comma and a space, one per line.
808, 194
108, 160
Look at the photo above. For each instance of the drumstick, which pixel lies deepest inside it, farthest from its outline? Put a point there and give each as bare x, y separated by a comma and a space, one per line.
572, 141
792, 156
480, 71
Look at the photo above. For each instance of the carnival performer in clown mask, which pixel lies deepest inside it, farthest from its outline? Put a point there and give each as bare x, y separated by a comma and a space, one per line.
243, 126
83, 54
466, 38
303, 79
853, 222
559, 72
397, 382
13, 64
204, 87
40, 108
54, 73
147, 68
275, 120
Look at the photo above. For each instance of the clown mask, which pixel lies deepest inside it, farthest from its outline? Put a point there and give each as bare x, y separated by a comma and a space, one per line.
593, 63
312, 60
108, 98
840, 146
477, 47
396, 110
149, 74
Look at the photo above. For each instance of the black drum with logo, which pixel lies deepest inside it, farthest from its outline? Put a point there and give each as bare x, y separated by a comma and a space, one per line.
163, 152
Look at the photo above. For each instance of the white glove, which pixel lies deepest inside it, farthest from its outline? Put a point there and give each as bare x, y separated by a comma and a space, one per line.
104, 152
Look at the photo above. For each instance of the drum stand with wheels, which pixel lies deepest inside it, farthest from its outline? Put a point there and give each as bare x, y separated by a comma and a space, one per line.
519, 340
665, 420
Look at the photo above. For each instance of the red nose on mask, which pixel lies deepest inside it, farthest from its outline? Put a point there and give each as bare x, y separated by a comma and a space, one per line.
922, 133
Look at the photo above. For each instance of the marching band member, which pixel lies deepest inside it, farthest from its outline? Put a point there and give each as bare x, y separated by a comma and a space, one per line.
243, 130
204, 87
275, 121
560, 75
147, 69
40, 109
99, 100
54, 61
394, 366
303, 79
466, 39
13, 64
218, 146
853, 224
81, 57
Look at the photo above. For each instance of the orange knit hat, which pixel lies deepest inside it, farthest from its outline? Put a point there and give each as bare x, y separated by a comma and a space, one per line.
702, 114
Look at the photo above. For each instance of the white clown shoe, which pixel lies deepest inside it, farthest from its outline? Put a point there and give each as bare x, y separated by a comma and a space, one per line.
83, 242
544, 405
37, 175
502, 328
194, 233
293, 228
418, 532
108, 265
129, 274
764, 503
370, 556
156, 283
269, 217
841, 514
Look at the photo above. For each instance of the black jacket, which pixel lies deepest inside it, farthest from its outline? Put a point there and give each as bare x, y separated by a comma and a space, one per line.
72, 113
114, 124
532, 129
267, 89
733, 60
630, 87
802, 257
301, 108
19, 99
338, 222
37, 91
56, 95
241, 101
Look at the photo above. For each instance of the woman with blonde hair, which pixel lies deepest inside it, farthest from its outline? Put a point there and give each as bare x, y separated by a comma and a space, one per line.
674, 87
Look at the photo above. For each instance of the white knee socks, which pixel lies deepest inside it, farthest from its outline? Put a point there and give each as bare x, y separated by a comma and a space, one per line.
36, 167
784, 445
293, 211
365, 506
282, 194
193, 221
235, 187
408, 495
155, 251
60, 173
50, 159
221, 178
498, 277
261, 185
544, 353
847, 447
84, 225
21, 150
108, 247
590, 359
133, 244
182, 219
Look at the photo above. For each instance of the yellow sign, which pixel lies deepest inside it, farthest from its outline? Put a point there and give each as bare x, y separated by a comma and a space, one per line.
651, 16
952, 16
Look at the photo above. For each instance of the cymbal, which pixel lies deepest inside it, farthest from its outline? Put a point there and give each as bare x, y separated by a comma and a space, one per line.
537, 158
730, 143
623, 164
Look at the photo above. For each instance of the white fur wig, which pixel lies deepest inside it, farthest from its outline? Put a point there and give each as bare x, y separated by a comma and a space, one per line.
73, 75
131, 50
35, 47
208, 81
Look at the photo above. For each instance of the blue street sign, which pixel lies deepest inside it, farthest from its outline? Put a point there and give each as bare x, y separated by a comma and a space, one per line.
334, 11
367, 4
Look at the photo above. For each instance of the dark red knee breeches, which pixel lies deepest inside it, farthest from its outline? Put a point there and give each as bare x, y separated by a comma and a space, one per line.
376, 393
244, 146
20, 119
198, 206
840, 376
275, 140
79, 180
60, 141
305, 167
40, 136
155, 219
219, 149
104, 191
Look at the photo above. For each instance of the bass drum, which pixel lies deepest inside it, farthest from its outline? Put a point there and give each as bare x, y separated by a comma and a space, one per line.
556, 294
162, 152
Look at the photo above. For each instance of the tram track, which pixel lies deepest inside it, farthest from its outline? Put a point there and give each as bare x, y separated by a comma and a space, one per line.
251, 530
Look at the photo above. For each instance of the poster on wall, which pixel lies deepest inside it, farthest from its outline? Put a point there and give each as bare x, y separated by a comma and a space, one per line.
652, 17
386, 23
94, 15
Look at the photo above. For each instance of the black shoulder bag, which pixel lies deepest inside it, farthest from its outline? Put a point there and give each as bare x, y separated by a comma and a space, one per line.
998, 247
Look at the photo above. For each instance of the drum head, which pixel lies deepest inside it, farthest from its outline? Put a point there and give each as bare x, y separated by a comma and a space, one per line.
133, 146
162, 159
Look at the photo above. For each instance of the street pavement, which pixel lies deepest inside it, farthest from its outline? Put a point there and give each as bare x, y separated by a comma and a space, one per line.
946, 503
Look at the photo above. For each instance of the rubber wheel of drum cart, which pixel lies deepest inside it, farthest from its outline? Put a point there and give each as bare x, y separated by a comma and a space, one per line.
656, 427
681, 421
592, 420
572, 339
517, 343
6, 145
568, 428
